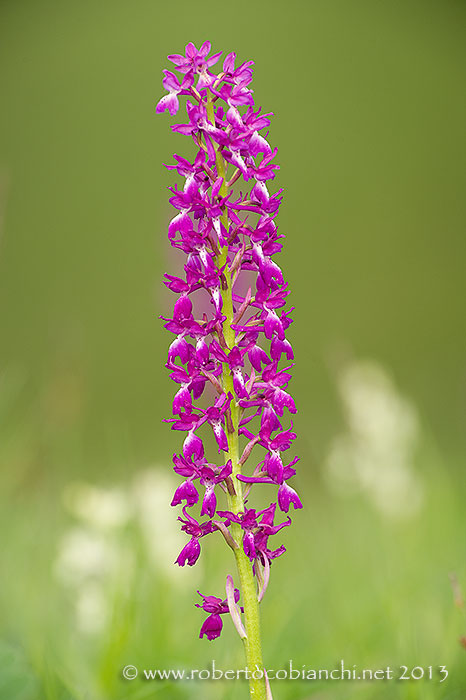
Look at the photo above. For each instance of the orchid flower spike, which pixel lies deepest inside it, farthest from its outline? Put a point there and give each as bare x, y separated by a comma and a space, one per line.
230, 358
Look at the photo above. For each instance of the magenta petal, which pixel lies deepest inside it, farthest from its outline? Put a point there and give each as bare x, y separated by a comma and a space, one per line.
220, 436
182, 399
238, 383
213, 59
229, 63
288, 496
209, 503
258, 144
234, 117
176, 59
193, 446
191, 50
205, 48
170, 82
168, 102
185, 492
248, 545
212, 627
190, 553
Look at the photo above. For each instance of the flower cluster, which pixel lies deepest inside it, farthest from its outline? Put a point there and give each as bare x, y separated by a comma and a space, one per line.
228, 320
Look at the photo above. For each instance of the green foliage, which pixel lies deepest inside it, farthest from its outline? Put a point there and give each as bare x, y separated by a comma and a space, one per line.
370, 112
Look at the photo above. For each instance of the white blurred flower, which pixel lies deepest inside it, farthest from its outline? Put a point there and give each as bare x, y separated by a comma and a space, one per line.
96, 559
375, 454
375, 411
152, 492
92, 608
102, 508
84, 554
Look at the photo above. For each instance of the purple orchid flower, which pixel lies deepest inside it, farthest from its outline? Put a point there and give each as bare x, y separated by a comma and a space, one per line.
190, 552
171, 83
256, 534
196, 61
215, 416
230, 347
210, 479
213, 624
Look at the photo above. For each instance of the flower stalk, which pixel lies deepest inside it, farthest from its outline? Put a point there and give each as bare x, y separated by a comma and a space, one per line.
252, 639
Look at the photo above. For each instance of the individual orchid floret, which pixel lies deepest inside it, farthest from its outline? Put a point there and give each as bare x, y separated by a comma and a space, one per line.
171, 83
256, 533
190, 552
196, 61
215, 416
209, 479
213, 624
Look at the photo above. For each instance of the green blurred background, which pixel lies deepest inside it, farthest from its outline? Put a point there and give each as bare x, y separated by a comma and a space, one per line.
370, 111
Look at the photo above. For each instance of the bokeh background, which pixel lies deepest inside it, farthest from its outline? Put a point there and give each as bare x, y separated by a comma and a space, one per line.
370, 113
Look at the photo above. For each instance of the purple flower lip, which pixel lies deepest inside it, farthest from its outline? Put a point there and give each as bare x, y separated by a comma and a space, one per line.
230, 358
213, 624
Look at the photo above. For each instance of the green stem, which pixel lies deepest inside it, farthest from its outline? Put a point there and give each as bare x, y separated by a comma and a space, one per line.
252, 643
